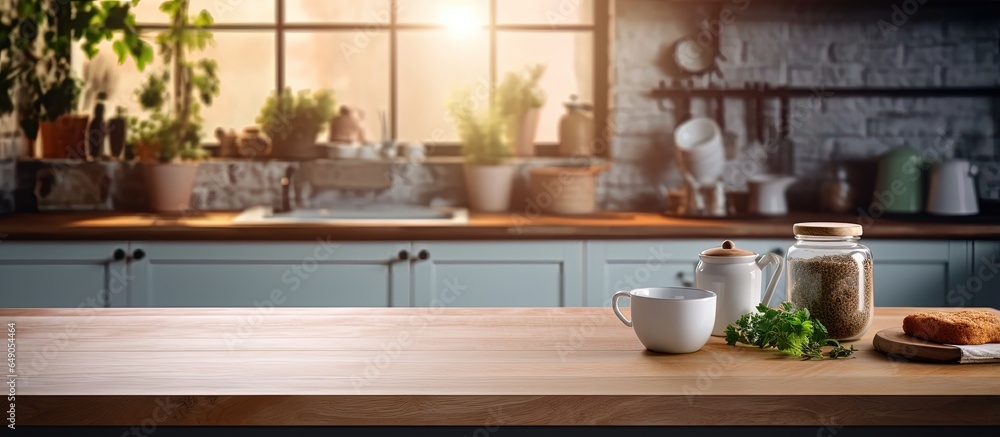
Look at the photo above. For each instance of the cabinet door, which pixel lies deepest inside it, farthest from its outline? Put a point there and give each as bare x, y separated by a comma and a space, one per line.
626, 265
918, 273
317, 274
498, 274
983, 285
62, 275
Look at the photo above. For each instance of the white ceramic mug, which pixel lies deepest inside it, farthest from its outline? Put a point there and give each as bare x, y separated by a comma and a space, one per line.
736, 280
671, 320
702, 150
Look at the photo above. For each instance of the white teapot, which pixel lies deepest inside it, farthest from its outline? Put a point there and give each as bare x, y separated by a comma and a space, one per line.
735, 276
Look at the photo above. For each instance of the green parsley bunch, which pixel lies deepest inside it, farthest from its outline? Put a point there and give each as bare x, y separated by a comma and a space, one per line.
793, 332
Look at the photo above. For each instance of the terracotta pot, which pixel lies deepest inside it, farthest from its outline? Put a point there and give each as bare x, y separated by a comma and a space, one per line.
299, 146
488, 187
169, 186
64, 138
521, 133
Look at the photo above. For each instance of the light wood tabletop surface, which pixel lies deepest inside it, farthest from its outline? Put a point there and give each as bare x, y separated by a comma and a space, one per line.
453, 366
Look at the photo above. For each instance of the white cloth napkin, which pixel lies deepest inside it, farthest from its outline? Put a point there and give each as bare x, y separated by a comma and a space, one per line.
980, 353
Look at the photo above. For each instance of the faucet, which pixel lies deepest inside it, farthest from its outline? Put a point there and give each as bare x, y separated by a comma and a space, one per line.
286, 195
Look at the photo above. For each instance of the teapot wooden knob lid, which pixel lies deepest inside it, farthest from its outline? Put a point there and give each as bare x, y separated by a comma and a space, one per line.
728, 249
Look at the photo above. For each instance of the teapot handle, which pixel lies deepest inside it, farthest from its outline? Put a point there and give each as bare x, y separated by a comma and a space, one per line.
763, 261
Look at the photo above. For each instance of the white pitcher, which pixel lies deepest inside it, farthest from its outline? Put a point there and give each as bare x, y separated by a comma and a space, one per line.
735, 276
767, 194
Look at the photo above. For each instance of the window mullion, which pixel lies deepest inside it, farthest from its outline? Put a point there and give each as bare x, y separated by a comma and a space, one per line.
280, 45
393, 69
493, 45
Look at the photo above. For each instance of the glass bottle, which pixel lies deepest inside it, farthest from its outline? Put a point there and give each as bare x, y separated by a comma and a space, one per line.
836, 193
830, 273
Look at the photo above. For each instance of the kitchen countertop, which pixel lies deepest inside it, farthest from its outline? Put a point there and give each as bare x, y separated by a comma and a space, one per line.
453, 366
218, 226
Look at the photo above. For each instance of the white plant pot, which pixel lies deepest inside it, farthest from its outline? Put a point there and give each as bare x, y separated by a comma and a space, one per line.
169, 186
488, 187
522, 131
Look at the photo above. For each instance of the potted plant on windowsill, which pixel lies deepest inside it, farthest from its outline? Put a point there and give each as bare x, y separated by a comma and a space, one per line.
168, 141
293, 121
36, 79
489, 175
520, 103
63, 131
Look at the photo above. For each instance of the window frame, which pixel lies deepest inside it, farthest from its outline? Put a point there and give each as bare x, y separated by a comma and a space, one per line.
600, 29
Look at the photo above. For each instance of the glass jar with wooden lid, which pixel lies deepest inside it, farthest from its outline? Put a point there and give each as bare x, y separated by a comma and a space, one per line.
830, 273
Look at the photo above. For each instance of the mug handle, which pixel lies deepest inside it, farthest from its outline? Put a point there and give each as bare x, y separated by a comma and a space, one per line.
618, 311
763, 261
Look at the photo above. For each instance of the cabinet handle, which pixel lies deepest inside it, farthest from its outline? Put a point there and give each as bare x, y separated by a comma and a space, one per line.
404, 255
138, 254
424, 255
118, 255
778, 251
684, 282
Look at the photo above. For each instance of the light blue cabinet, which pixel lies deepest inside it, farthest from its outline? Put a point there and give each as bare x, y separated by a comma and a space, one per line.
455, 274
918, 273
63, 275
498, 274
625, 265
982, 288
907, 273
318, 274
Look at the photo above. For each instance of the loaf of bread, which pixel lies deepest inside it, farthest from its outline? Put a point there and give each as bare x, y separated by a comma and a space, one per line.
960, 327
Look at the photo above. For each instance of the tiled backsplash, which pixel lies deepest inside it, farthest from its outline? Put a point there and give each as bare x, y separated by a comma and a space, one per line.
806, 44
789, 43
230, 185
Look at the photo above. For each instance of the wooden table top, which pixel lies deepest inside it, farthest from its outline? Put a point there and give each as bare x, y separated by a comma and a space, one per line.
609, 225
451, 366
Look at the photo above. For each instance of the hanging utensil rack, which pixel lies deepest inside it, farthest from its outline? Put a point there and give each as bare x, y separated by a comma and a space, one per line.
758, 91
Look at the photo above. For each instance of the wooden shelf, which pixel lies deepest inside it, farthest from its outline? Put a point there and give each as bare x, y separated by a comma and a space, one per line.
664, 92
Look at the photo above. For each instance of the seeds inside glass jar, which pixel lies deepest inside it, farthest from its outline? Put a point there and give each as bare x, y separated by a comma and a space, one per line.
836, 289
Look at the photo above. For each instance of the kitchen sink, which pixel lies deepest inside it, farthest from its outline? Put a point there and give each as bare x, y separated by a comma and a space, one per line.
357, 215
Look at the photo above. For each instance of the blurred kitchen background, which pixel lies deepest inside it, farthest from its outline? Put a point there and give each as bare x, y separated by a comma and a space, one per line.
815, 90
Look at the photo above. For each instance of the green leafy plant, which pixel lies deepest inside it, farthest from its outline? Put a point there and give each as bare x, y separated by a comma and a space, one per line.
173, 97
481, 132
519, 92
289, 117
36, 40
792, 332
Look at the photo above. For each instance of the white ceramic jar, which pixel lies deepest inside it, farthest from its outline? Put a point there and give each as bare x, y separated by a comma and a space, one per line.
735, 276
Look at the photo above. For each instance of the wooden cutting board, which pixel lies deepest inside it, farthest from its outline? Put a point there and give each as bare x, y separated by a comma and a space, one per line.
899, 346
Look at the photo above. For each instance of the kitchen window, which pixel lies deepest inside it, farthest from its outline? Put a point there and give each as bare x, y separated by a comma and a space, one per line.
404, 57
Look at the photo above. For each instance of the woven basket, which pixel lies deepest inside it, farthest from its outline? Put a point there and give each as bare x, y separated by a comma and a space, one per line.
564, 190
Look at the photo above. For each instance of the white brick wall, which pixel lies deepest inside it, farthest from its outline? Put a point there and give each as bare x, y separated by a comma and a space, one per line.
810, 45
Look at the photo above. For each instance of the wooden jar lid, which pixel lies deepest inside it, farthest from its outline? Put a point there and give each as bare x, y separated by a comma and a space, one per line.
824, 229
728, 249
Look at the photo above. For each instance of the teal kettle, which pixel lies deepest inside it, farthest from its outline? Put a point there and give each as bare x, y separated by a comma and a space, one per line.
899, 186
